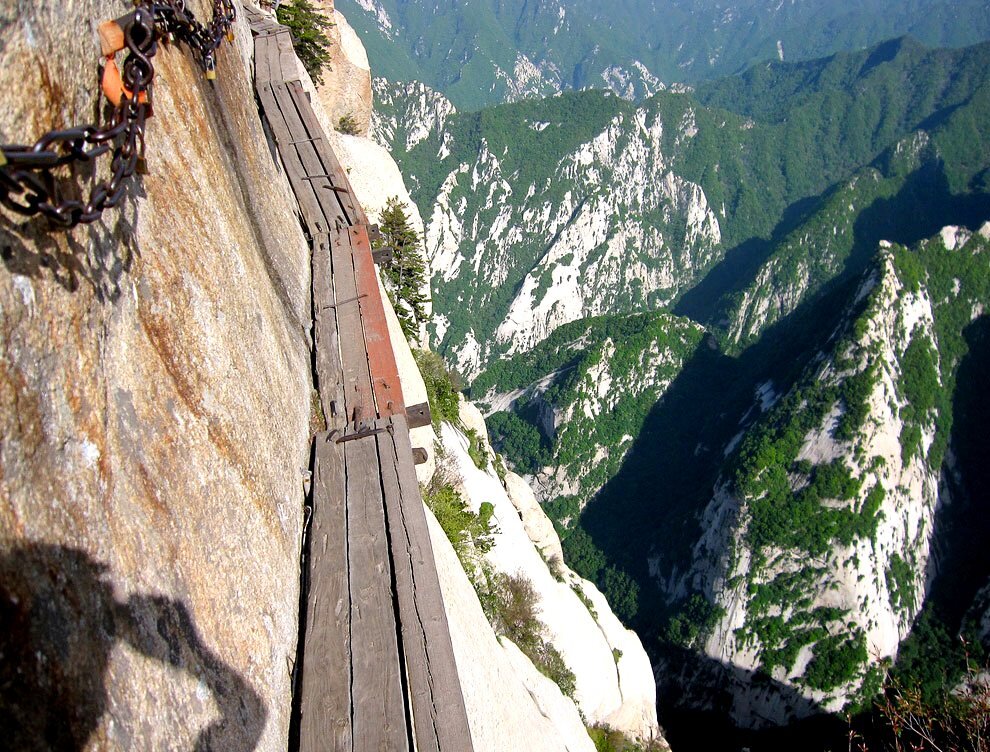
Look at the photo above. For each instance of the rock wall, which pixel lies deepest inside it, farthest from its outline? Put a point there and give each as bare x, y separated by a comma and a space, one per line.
155, 383
819, 613
614, 679
346, 88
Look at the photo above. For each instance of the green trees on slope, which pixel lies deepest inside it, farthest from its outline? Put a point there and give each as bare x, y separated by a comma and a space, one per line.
405, 275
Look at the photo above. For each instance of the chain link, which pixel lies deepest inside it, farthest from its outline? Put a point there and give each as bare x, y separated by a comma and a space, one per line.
28, 185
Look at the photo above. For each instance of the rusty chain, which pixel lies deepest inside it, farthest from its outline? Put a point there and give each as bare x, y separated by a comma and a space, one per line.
28, 185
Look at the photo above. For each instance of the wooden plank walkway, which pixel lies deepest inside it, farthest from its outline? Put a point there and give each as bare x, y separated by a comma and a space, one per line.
378, 670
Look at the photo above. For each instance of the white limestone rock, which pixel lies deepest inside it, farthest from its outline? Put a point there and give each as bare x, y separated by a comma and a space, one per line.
346, 89
504, 713
538, 526
624, 695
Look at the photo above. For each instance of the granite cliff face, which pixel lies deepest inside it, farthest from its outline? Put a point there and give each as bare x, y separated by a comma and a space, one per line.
346, 89
155, 382
613, 678
819, 544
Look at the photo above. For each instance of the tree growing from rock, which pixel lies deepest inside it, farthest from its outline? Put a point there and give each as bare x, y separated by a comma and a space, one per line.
405, 275
308, 26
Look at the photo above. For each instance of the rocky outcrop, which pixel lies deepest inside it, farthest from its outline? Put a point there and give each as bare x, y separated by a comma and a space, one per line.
406, 114
155, 383
818, 552
509, 703
614, 679
605, 226
346, 88
606, 375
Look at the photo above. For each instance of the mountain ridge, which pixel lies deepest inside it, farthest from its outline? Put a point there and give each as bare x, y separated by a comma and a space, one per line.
480, 53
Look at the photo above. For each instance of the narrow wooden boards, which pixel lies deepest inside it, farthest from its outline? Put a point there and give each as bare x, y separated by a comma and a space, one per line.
379, 708
381, 356
329, 370
358, 396
326, 698
438, 709
378, 669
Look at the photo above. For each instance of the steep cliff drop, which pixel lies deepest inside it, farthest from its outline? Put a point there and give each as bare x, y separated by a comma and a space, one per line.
159, 404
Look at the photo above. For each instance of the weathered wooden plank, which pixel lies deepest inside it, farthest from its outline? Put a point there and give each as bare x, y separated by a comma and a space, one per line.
379, 710
349, 204
275, 55
422, 615
329, 369
303, 142
308, 202
272, 53
359, 399
381, 357
287, 57
414, 649
262, 71
325, 705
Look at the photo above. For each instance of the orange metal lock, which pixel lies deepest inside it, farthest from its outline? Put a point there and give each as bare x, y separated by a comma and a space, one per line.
112, 42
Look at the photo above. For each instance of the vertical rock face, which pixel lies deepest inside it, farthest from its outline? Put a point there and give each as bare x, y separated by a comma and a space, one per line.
613, 678
154, 378
818, 548
346, 88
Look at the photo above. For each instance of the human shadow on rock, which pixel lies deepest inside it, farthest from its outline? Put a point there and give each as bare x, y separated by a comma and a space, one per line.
59, 623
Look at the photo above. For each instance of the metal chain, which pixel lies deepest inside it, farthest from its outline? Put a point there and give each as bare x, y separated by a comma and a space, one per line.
28, 185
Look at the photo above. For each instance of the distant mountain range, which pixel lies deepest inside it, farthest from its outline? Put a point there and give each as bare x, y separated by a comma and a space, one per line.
753, 418
481, 52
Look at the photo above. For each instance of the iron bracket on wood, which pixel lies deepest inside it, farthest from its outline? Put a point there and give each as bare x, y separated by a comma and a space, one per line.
382, 255
336, 188
374, 233
419, 456
419, 415
342, 302
361, 433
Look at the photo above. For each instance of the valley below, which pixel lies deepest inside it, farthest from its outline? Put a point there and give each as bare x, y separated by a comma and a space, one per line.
733, 337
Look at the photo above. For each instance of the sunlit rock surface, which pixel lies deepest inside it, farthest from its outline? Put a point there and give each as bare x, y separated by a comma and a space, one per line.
155, 383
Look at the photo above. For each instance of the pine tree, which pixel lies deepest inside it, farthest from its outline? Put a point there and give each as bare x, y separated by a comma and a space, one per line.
308, 27
405, 275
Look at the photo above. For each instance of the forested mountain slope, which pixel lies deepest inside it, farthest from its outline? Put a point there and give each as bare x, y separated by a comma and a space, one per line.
752, 420
545, 212
481, 52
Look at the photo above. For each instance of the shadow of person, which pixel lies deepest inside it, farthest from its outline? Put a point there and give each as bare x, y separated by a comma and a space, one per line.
59, 622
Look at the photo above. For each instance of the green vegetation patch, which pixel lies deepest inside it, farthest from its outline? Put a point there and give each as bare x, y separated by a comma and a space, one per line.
308, 26
511, 604
920, 386
900, 584
838, 660
404, 276
693, 623
641, 353
442, 387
